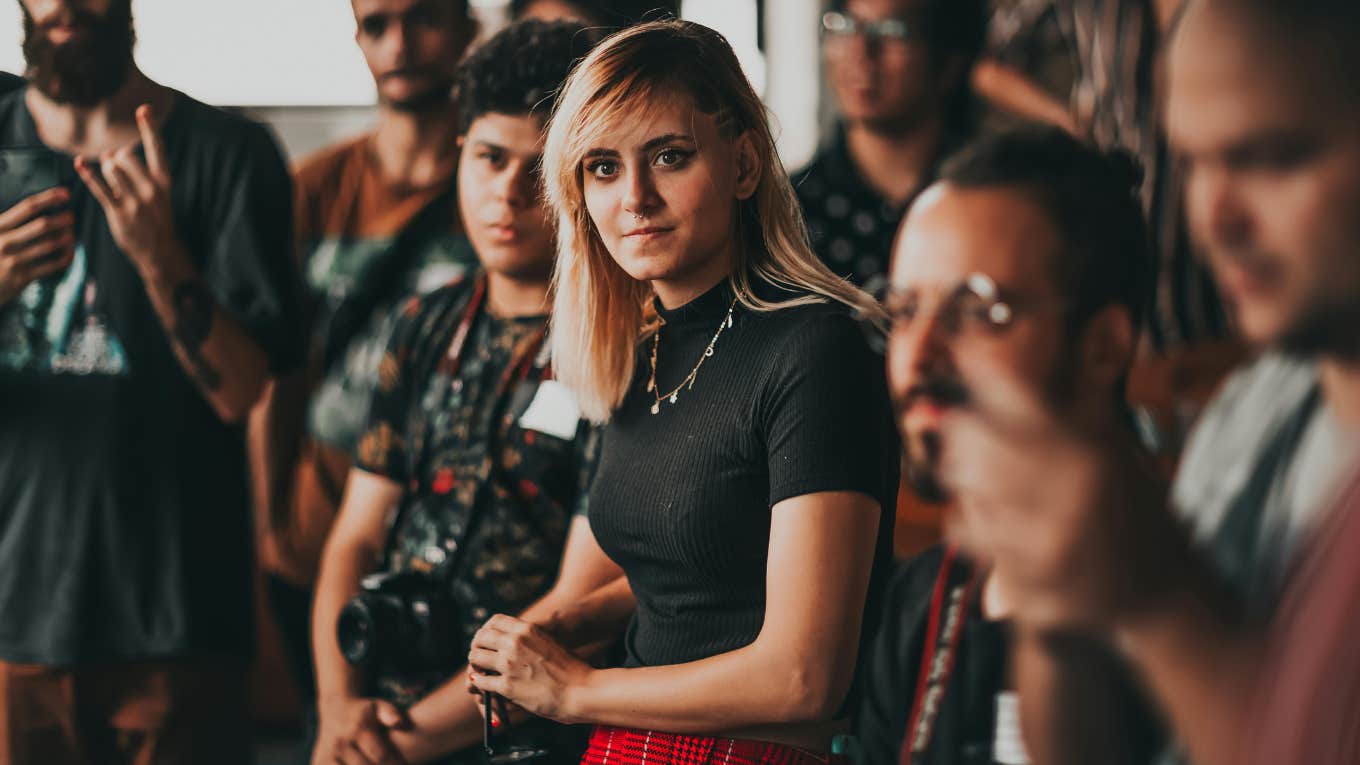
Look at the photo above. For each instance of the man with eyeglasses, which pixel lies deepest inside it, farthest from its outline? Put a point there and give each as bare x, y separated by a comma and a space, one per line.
899, 70
1029, 251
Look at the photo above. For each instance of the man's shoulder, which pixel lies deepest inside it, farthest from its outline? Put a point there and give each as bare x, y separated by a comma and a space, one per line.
815, 170
11, 105
431, 307
912, 582
1236, 426
213, 124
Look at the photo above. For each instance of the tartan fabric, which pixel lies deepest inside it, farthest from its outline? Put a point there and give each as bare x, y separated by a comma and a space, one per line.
628, 746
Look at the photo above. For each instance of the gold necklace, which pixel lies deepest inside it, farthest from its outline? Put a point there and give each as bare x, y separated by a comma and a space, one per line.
688, 382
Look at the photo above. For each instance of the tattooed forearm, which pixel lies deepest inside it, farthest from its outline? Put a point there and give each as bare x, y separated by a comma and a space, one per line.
194, 310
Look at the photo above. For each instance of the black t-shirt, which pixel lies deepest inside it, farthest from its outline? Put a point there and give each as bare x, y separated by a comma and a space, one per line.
125, 531
9, 82
965, 729
792, 402
978, 719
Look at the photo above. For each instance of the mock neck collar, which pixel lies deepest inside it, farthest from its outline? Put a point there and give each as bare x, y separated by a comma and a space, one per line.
708, 308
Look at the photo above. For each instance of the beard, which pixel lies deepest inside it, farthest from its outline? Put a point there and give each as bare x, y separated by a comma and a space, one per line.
921, 467
1325, 328
436, 96
86, 69
922, 449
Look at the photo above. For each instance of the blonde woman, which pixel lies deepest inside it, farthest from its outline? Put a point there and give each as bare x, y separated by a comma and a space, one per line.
748, 471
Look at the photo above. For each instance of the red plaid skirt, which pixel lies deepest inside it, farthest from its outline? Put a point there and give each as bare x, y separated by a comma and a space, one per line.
628, 746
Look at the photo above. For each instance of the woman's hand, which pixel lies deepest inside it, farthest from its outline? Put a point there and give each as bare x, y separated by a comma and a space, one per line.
520, 662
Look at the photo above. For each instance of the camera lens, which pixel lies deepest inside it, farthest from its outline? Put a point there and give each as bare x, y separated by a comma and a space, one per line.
357, 632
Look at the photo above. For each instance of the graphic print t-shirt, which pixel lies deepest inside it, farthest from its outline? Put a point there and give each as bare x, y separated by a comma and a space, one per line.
348, 223
124, 515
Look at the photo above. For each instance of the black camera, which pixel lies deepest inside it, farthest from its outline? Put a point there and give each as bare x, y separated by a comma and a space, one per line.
401, 624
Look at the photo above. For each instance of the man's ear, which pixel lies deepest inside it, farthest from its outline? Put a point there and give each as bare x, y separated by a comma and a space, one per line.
748, 166
1107, 347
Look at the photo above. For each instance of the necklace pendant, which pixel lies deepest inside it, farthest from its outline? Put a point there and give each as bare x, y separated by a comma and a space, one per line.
674, 396
656, 407
729, 319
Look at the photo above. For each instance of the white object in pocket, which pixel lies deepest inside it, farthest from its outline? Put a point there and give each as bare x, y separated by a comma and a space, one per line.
553, 411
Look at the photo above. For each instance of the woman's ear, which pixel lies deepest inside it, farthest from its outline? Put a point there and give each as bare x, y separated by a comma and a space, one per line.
1108, 345
748, 166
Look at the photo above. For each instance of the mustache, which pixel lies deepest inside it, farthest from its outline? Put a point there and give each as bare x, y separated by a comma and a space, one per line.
948, 391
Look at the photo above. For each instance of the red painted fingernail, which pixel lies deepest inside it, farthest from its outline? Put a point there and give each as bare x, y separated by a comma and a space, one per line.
495, 723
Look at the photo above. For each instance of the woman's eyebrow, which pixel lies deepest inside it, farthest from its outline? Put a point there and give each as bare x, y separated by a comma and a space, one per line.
664, 139
646, 147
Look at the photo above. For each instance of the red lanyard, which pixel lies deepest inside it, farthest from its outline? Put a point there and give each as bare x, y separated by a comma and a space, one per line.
937, 661
529, 353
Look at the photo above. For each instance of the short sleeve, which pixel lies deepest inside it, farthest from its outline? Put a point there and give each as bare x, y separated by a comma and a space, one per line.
587, 460
384, 444
825, 413
251, 265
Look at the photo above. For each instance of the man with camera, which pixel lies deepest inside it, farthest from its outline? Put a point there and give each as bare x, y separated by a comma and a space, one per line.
143, 307
375, 221
481, 453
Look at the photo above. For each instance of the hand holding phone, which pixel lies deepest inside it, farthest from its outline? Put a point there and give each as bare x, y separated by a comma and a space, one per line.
37, 238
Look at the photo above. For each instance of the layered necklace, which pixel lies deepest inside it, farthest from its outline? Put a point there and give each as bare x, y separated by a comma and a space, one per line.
688, 382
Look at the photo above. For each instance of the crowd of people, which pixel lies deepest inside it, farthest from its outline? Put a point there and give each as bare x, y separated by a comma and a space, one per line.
565, 424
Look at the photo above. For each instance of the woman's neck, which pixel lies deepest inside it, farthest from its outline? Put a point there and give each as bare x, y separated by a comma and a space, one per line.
674, 293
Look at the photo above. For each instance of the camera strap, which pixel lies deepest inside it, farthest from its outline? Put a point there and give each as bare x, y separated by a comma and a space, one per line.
529, 354
954, 588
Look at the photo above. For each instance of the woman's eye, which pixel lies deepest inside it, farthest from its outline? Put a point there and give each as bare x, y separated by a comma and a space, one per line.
671, 157
602, 169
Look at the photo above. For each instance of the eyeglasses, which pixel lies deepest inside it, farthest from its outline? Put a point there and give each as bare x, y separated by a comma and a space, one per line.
973, 308
840, 26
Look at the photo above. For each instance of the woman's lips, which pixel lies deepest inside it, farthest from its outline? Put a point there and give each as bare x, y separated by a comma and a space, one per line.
648, 232
502, 232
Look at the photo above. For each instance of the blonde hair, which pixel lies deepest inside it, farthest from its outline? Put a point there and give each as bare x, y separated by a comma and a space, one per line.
600, 313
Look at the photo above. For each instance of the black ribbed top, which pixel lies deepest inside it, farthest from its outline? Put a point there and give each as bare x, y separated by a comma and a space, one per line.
792, 402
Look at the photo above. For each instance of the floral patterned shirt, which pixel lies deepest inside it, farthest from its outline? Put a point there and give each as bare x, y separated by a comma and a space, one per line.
490, 492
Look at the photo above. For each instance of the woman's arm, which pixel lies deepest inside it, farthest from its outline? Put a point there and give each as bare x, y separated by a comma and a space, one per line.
585, 600
798, 669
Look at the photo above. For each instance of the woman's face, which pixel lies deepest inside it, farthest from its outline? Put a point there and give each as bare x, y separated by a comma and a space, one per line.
663, 194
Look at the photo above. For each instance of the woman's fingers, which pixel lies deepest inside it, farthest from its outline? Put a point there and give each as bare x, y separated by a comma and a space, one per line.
490, 683
484, 660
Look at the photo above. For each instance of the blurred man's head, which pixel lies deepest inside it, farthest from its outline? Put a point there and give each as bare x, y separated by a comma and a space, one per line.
78, 52
1031, 251
894, 63
610, 13
1264, 110
412, 48
504, 92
